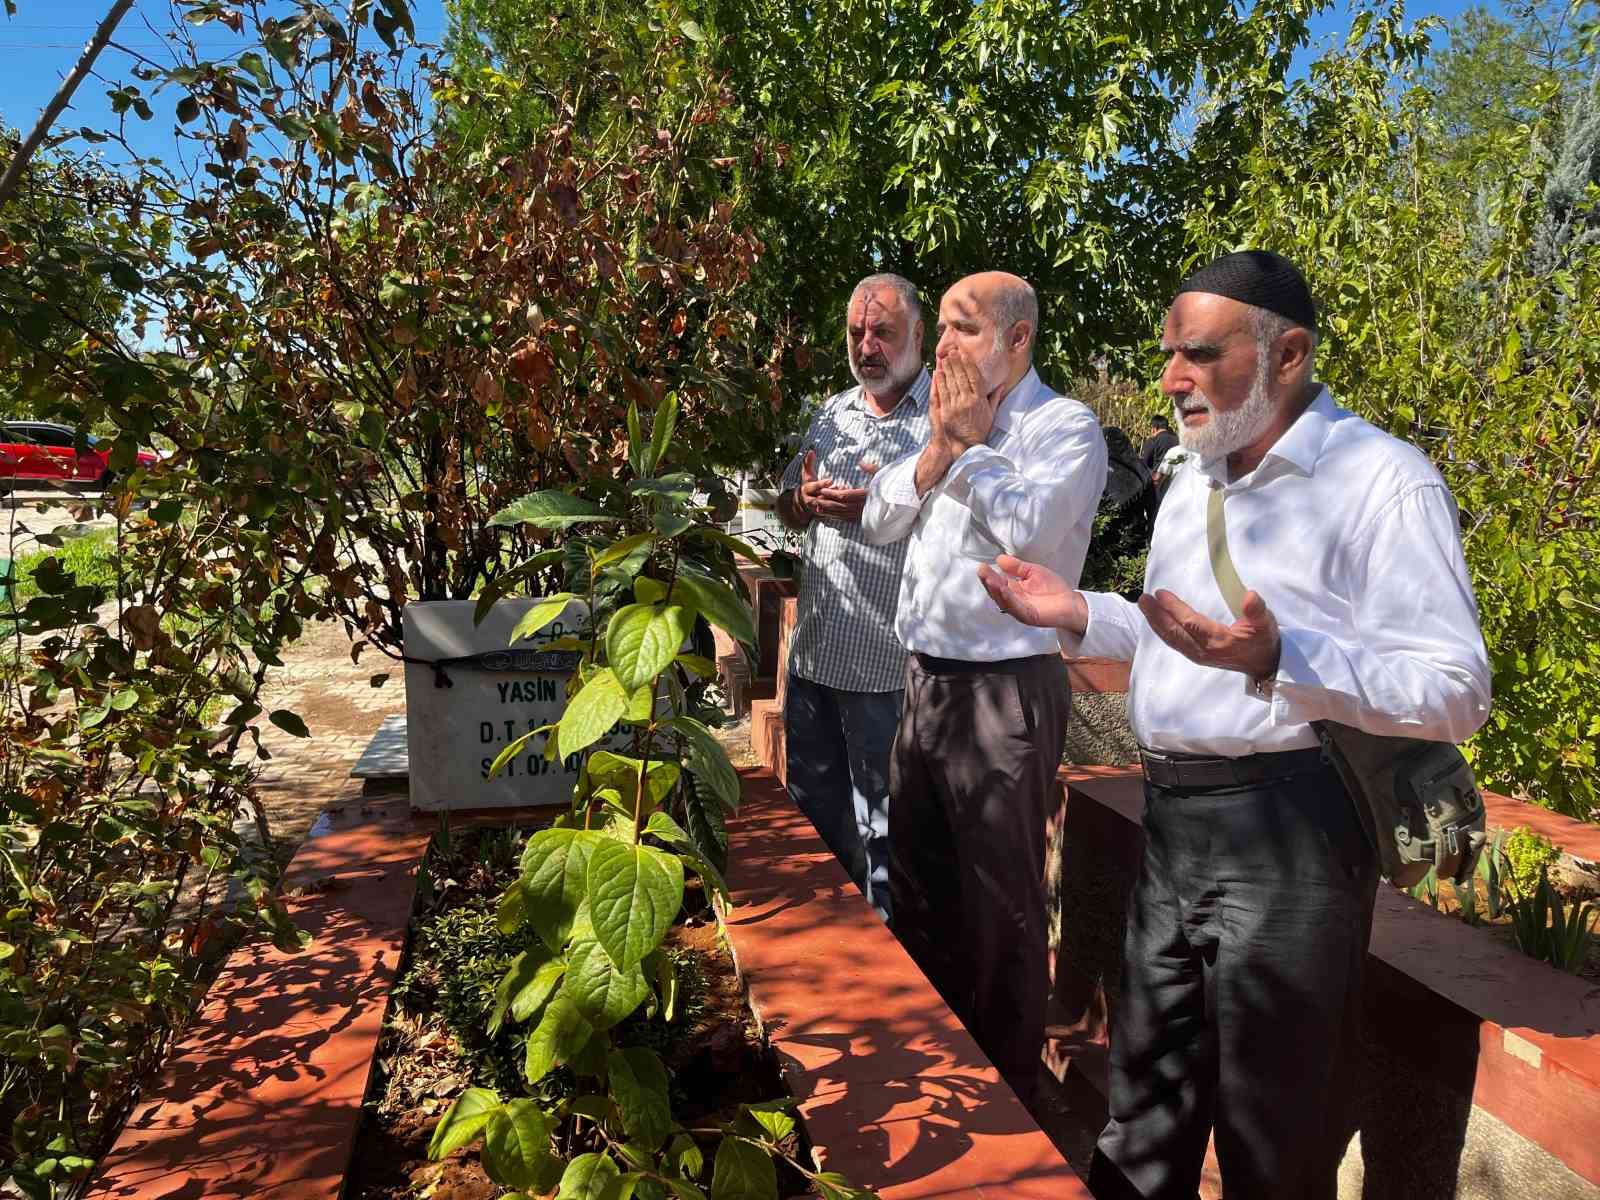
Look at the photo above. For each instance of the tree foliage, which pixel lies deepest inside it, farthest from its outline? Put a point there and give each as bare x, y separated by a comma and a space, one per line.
373, 333
935, 138
1441, 325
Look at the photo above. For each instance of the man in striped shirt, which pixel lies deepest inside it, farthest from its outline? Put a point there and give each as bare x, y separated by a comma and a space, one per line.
846, 666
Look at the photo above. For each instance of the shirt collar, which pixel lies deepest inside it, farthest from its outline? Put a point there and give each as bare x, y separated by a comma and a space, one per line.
916, 396
1019, 397
1299, 446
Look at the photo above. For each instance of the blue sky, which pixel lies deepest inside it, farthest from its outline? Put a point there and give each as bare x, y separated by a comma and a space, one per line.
39, 45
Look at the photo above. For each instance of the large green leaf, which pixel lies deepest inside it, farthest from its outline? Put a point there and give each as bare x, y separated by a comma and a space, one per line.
463, 1121
638, 1083
501, 585
525, 987
661, 431
621, 772
561, 1034
772, 1118
704, 756
642, 640
589, 1177
603, 991
706, 821
598, 706
662, 826
634, 894
717, 602
511, 910
743, 1172
551, 510
516, 1145
636, 444
618, 551
742, 548
555, 878
540, 615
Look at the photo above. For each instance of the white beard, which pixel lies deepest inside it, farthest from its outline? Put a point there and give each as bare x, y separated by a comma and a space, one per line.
1225, 432
900, 373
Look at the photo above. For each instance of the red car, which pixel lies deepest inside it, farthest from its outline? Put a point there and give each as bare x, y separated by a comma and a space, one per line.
40, 450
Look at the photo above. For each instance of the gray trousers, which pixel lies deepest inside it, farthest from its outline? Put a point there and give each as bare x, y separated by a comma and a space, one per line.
973, 764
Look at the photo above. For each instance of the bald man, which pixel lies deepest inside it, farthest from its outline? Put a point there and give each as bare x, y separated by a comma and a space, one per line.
1009, 463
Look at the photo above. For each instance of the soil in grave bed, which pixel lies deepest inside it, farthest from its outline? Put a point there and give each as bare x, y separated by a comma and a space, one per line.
434, 1044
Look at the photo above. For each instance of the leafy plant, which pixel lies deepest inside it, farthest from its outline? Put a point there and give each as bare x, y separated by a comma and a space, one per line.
1528, 855
601, 888
1552, 929
1426, 888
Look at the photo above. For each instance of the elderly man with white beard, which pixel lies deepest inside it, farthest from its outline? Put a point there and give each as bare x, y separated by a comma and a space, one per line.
1010, 466
1247, 928
845, 665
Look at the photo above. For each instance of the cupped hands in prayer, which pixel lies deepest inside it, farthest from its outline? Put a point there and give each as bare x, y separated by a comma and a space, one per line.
820, 498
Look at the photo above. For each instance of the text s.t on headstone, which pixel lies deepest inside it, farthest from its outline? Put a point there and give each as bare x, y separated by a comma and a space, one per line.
499, 693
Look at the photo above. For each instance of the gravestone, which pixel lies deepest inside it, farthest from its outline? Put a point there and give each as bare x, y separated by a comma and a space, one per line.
495, 693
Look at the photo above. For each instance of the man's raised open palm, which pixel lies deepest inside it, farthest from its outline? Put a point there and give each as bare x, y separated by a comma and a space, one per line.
1034, 595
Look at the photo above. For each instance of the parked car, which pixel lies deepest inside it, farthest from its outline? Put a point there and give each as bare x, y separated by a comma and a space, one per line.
42, 450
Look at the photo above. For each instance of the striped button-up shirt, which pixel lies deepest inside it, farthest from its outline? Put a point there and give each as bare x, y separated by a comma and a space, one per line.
844, 633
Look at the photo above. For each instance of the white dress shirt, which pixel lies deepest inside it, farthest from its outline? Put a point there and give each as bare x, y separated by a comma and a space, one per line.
1353, 541
1031, 491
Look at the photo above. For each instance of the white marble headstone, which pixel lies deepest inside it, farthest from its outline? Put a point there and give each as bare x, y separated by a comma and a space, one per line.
454, 733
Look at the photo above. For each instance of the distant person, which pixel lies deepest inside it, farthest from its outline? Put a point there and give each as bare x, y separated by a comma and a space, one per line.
1161, 440
1010, 466
846, 667
1248, 925
1152, 453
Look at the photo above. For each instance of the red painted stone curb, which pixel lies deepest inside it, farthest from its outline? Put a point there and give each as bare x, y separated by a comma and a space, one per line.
1098, 674
893, 1089
262, 1096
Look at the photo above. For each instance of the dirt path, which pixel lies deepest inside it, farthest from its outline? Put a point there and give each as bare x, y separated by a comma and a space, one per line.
341, 708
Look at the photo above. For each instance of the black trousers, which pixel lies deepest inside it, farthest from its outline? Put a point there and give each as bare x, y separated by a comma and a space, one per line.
973, 766
1241, 980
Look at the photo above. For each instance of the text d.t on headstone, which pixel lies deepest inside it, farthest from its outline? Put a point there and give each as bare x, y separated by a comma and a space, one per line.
498, 693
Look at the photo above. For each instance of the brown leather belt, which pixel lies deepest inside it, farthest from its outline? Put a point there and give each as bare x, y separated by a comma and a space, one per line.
1188, 772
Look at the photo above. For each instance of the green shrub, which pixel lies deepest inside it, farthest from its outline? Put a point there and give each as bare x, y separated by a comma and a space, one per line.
1552, 929
459, 957
1528, 857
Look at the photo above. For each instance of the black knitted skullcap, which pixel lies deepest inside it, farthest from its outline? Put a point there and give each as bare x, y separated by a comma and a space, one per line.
1261, 278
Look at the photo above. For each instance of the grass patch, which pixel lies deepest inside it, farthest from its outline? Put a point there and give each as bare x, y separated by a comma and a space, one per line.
91, 557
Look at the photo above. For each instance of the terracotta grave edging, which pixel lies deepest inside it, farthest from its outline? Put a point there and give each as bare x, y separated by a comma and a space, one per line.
262, 1095
1509, 1034
894, 1092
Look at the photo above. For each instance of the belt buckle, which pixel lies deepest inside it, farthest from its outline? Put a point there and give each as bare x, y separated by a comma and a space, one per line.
1166, 772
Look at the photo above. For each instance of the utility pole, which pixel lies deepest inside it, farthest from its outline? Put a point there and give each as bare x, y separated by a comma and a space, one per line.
102, 35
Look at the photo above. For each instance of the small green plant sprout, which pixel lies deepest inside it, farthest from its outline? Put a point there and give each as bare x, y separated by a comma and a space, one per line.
1549, 928
1527, 857
1426, 888
602, 888
1490, 873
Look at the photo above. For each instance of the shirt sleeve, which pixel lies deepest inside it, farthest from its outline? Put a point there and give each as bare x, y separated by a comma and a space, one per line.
1028, 510
892, 502
1420, 668
1112, 632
